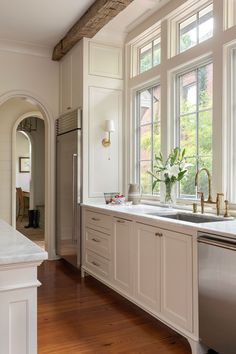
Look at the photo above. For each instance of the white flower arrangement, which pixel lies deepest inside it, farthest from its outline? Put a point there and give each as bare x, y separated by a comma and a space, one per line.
170, 171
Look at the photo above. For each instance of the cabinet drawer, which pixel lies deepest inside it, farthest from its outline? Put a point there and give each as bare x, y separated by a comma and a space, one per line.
100, 221
98, 242
97, 264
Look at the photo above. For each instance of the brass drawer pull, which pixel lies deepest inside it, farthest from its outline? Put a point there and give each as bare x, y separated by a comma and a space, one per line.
95, 263
158, 234
121, 221
95, 219
95, 240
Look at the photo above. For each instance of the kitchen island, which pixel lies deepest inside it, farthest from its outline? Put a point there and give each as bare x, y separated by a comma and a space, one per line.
19, 259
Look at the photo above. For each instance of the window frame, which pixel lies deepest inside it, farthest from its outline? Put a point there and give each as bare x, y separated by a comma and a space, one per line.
141, 41
137, 175
179, 16
174, 106
139, 48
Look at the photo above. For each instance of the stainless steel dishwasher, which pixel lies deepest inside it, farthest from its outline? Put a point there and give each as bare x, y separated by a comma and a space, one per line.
217, 292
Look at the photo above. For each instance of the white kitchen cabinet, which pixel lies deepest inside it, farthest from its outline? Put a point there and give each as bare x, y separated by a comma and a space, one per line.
176, 278
148, 266
122, 254
71, 80
151, 266
66, 84
96, 245
163, 273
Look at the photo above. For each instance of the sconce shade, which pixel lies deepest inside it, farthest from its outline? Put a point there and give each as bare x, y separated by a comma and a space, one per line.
109, 125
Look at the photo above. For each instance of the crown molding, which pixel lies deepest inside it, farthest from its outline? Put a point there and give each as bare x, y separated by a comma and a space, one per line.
25, 48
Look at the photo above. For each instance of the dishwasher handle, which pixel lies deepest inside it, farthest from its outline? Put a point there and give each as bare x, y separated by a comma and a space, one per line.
218, 242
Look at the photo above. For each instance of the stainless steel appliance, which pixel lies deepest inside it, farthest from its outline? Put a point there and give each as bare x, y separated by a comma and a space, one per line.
217, 292
68, 186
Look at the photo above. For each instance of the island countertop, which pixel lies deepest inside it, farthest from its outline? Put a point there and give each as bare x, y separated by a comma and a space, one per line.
16, 248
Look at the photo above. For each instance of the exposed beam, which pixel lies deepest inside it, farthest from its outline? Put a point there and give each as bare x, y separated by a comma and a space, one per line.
96, 17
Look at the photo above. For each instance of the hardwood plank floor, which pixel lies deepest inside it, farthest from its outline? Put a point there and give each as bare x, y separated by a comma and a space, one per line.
83, 316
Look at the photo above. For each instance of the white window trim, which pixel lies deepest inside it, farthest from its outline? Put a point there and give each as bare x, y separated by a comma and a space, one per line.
229, 17
135, 140
229, 124
139, 42
178, 16
173, 103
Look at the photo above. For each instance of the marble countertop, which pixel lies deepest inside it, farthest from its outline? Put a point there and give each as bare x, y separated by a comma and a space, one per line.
225, 228
16, 248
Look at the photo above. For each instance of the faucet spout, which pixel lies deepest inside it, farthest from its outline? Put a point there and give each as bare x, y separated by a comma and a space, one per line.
209, 200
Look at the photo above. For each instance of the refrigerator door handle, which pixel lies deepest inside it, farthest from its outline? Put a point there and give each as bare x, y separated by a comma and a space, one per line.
74, 197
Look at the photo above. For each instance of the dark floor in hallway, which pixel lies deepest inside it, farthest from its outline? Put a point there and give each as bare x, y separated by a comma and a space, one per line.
83, 316
35, 235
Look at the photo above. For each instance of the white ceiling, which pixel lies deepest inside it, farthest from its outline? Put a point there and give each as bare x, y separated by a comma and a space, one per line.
44, 22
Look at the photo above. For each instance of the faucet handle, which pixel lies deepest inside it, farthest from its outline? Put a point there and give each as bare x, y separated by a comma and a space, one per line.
201, 194
218, 195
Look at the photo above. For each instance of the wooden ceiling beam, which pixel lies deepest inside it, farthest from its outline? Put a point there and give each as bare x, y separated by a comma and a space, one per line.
95, 18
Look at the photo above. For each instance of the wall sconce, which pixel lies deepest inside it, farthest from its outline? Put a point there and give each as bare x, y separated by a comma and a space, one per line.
109, 128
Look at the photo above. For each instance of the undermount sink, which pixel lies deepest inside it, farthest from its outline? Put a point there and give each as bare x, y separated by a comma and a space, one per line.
189, 217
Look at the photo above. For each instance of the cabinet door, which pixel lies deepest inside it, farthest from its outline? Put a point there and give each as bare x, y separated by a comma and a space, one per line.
66, 84
122, 262
176, 279
147, 265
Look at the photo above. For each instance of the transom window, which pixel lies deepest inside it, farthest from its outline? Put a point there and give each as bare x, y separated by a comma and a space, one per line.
148, 129
196, 28
194, 125
149, 55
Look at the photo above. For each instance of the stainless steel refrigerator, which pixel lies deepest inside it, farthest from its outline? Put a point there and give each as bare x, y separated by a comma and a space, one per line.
68, 186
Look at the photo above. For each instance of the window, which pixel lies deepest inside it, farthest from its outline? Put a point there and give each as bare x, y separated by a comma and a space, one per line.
196, 28
148, 129
194, 125
149, 55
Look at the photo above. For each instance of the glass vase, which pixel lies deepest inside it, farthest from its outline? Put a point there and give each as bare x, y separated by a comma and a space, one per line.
170, 194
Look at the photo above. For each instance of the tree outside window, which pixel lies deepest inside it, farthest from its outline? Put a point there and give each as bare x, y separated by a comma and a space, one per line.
194, 125
148, 126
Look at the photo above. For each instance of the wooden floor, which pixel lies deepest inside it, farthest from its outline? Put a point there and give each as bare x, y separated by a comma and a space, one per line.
35, 235
83, 316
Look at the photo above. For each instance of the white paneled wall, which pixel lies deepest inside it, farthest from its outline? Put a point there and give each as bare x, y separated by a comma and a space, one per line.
103, 162
103, 94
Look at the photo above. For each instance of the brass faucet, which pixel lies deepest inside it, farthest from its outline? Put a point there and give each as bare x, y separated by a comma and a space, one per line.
209, 200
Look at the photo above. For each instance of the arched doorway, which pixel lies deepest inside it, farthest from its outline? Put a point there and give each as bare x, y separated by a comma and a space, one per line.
30, 177
8, 211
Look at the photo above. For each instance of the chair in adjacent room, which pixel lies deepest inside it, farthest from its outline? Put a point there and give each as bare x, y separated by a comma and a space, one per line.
21, 204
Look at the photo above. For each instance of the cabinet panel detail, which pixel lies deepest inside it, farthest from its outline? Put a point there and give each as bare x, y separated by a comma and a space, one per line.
105, 60
122, 262
148, 267
177, 279
104, 163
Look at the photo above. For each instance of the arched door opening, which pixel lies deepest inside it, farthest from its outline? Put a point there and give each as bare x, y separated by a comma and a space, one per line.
30, 178
14, 107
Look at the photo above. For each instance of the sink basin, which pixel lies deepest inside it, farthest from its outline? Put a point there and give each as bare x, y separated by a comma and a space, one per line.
189, 217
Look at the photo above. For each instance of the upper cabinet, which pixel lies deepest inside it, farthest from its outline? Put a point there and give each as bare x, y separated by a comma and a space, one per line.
71, 80
105, 60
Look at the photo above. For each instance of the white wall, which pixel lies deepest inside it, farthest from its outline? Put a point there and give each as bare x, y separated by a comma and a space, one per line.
34, 74
22, 150
38, 159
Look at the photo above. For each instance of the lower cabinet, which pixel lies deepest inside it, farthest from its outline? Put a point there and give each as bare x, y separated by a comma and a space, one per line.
163, 273
122, 254
151, 265
176, 278
147, 267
